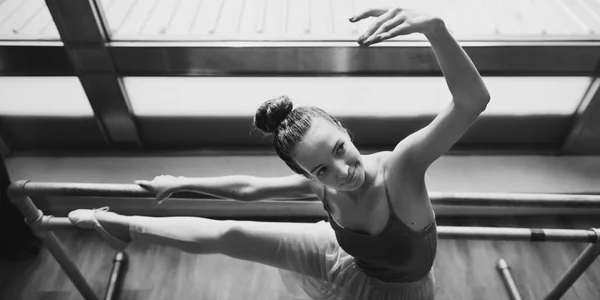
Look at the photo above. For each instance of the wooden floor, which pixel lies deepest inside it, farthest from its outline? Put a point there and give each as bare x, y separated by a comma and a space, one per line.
464, 269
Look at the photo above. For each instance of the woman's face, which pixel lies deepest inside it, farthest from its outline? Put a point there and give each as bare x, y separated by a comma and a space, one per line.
328, 155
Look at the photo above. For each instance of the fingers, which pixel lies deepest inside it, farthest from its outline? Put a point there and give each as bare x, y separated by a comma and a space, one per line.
389, 25
373, 12
162, 193
382, 19
401, 29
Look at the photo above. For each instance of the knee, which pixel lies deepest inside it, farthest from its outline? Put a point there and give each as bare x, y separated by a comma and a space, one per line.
217, 240
230, 230
232, 238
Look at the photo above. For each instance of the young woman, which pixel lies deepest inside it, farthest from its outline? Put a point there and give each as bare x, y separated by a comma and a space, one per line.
381, 239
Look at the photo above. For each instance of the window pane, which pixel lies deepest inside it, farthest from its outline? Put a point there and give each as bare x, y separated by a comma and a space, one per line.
259, 20
43, 96
346, 96
26, 20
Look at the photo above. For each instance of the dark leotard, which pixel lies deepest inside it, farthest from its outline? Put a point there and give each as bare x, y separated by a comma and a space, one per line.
397, 254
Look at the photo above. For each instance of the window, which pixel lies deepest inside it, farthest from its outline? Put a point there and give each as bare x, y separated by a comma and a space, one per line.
43, 96
346, 96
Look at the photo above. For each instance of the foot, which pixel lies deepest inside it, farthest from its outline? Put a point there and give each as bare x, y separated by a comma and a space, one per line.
86, 219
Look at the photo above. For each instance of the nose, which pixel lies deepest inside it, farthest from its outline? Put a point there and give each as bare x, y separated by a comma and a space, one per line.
343, 170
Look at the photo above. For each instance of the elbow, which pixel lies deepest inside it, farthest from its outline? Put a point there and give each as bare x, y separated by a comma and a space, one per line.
484, 100
245, 195
479, 101
474, 102
479, 98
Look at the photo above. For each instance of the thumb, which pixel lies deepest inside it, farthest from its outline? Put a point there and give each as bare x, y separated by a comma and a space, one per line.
143, 183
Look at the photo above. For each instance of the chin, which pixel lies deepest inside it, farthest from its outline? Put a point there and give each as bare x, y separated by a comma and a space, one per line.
359, 181
356, 185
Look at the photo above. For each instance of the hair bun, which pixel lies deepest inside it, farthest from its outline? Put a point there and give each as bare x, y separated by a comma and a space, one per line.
271, 113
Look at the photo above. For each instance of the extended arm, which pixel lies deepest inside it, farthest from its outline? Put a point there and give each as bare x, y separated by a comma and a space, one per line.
469, 94
465, 84
469, 99
235, 187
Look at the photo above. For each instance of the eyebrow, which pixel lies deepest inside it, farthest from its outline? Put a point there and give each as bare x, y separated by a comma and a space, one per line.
332, 151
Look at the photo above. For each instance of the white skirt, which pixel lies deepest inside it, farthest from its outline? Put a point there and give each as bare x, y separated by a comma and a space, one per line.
319, 269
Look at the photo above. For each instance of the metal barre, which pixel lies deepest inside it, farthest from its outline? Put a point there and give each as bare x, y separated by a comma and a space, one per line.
28, 188
447, 232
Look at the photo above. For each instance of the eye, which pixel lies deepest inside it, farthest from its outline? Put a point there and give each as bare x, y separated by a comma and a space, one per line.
321, 171
341, 148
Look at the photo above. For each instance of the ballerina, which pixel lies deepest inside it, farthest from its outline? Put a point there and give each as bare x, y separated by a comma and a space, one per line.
381, 239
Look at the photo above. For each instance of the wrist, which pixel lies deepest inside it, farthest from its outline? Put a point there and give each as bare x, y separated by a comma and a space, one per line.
436, 26
183, 183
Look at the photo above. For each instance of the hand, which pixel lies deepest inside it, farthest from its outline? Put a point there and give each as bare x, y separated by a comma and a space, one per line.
393, 22
164, 186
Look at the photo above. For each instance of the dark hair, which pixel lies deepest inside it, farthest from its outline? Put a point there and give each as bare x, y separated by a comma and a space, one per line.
289, 126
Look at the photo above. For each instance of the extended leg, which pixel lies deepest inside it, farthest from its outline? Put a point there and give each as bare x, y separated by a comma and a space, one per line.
254, 241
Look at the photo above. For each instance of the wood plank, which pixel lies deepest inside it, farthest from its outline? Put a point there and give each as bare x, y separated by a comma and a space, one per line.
161, 17
252, 18
50, 31
549, 24
118, 14
228, 25
530, 23
8, 9
138, 18
39, 20
184, 17
207, 18
106, 4
593, 6
585, 15
20, 18
275, 18
564, 14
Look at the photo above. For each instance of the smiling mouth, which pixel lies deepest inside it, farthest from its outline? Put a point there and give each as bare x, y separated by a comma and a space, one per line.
351, 176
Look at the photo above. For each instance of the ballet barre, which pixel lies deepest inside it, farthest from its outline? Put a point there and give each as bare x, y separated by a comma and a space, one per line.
33, 189
43, 226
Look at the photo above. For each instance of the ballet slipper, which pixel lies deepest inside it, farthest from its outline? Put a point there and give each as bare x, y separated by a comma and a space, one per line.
86, 219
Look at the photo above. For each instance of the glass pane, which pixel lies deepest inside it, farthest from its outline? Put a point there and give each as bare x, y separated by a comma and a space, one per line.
43, 96
260, 20
26, 20
346, 96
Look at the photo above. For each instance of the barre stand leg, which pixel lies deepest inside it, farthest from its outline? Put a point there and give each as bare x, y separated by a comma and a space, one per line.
585, 259
115, 280
504, 270
34, 217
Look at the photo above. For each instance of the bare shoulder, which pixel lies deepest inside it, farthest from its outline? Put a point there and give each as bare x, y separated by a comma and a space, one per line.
314, 188
394, 167
380, 156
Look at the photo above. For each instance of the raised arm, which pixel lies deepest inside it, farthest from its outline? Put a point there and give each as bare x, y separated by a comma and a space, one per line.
469, 94
235, 187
